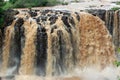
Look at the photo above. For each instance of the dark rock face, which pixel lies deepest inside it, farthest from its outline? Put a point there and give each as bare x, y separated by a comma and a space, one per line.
78, 17
32, 14
116, 29
65, 21
9, 16
41, 56
53, 19
98, 12
109, 20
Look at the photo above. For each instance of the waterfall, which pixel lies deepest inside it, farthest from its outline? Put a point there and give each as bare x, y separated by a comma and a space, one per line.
55, 42
28, 56
111, 19
9, 34
95, 42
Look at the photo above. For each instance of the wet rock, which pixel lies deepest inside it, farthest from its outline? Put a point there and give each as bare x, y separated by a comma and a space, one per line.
9, 16
32, 14
65, 21
19, 22
109, 20
77, 16
52, 29
71, 20
98, 12
43, 18
53, 19
41, 51
44, 12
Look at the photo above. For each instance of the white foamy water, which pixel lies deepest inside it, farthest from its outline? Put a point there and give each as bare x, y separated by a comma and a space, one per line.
108, 73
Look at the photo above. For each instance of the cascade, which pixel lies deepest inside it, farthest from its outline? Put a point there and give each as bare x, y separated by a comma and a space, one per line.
111, 19
55, 42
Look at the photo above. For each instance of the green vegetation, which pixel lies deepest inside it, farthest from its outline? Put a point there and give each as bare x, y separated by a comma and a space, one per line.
118, 50
7, 5
117, 63
115, 8
27, 3
30, 3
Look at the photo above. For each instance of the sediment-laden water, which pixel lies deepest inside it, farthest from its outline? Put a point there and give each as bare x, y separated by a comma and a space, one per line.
56, 43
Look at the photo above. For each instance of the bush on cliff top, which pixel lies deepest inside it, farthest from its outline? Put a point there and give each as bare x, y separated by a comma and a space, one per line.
33, 3
29, 3
115, 8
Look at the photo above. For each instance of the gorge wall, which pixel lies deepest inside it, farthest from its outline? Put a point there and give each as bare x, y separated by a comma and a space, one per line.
54, 42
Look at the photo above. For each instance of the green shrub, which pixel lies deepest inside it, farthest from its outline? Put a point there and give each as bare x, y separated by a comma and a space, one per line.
117, 63
115, 8
52, 2
19, 4
64, 3
34, 3
7, 5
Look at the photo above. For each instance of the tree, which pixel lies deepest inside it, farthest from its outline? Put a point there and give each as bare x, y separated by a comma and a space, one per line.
1, 3
12, 1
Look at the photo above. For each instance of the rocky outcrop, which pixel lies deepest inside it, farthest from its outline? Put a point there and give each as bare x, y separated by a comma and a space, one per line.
9, 16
